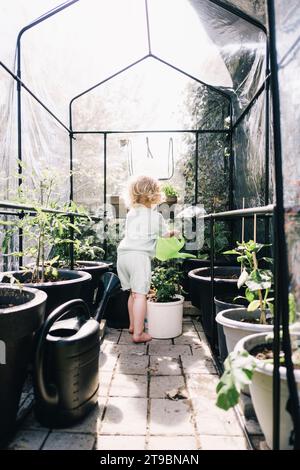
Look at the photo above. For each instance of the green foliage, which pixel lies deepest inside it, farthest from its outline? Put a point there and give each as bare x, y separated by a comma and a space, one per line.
41, 231
207, 110
169, 190
165, 283
238, 371
86, 243
221, 240
258, 281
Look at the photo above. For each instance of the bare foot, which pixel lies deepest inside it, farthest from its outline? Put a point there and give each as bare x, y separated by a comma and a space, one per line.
143, 338
130, 329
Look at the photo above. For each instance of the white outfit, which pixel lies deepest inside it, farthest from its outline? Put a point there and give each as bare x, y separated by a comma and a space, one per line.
143, 227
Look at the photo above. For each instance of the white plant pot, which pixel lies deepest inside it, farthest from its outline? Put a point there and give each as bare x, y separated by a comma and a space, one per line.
235, 329
165, 318
261, 390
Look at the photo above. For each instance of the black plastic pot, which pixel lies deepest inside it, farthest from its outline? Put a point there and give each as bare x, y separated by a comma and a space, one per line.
95, 288
190, 264
17, 326
224, 305
200, 290
116, 313
71, 287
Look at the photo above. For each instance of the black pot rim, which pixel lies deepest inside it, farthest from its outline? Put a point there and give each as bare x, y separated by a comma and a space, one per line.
223, 302
193, 274
39, 297
93, 265
80, 277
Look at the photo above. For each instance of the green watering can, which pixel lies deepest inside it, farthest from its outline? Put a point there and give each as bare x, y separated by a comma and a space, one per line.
168, 248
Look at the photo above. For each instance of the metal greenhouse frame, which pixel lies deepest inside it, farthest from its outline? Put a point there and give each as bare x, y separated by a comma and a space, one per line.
281, 318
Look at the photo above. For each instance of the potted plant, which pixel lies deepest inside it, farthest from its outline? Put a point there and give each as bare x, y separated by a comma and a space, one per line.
165, 303
40, 231
88, 254
22, 312
251, 364
257, 317
171, 194
225, 283
221, 243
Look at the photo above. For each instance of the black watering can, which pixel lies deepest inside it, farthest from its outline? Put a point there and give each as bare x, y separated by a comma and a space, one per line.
66, 365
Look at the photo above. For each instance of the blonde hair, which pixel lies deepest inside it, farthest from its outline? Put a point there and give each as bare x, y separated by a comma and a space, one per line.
144, 190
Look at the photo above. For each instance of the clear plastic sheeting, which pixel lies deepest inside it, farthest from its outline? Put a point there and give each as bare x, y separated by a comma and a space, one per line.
88, 171
288, 50
148, 96
242, 47
175, 69
212, 161
253, 8
249, 158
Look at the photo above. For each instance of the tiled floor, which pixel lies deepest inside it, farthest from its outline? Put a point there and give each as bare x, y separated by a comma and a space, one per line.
133, 410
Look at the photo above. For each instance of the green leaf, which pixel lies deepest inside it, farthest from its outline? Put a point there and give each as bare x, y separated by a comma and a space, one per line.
243, 278
254, 305
238, 372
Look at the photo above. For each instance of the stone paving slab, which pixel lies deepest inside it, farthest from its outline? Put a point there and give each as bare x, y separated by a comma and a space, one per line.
27, 439
189, 328
198, 365
125, 416
104, 382
31, 422
69, 441
133, 412
170, 417
132, 364
164, 365
210, 419
223, 443
112, 335
172, 443
169, 350
162, 384
188, 338
108, 442
198, 325
107, 362
126, 338
115, 349
90, 424
129, 386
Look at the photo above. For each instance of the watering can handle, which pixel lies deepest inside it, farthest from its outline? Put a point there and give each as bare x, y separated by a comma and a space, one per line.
50, 397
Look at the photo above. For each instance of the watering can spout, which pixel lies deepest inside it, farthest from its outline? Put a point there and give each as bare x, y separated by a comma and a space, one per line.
111, 285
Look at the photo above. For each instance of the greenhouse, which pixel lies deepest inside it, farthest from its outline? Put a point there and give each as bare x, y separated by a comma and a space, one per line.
149, 202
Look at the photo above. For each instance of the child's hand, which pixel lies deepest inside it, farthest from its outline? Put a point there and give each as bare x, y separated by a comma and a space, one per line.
173, 233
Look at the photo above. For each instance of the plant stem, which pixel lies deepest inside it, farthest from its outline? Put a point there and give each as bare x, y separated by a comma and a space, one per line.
262, 319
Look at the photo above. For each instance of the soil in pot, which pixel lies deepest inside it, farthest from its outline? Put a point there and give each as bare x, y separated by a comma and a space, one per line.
70, 285
22, 315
